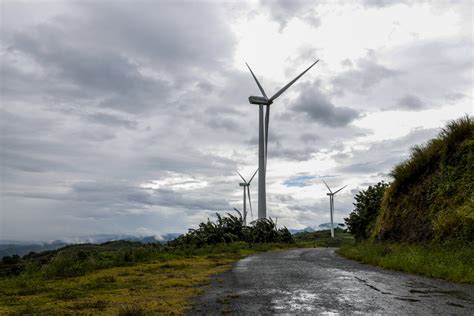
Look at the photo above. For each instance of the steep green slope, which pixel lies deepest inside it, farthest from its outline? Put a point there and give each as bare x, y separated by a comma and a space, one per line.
432, 195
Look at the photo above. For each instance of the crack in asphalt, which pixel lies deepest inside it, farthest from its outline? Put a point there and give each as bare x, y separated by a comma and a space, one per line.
317, 281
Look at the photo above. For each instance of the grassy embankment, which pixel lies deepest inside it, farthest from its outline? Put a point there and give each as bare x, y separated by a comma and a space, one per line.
124, 278
435, 261
425, 223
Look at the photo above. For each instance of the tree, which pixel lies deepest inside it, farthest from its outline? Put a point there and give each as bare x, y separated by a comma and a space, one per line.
367, 207
11, 259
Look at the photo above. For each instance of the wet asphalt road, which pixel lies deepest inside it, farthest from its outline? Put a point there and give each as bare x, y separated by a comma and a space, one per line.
318, 281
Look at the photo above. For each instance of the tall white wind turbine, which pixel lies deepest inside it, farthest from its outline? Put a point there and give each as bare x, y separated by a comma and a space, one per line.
331, 205
246, 186
263, 136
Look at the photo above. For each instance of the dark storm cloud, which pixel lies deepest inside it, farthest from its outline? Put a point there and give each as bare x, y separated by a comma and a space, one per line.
103, 97
77, 71
101, 52
383, 3
132, 195
283, 11
24, 162
111, 120
104, 199
175, 35
438, 79
292, 153
190, 160
410, 102
382, 156
224, 123
310, 138
365, 75
317, 107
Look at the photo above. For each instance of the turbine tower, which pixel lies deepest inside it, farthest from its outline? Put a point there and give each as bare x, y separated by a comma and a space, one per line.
246, 186
263, 136
331, 205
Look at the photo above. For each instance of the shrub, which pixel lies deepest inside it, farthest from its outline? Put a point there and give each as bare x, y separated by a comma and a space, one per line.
367, 207
70, 263
230, 229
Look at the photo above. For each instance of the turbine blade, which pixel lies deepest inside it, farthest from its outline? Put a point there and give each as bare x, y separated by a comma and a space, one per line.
327, 186
253, 175
241, 177
340, 189
291, 83
250, 200
258, 83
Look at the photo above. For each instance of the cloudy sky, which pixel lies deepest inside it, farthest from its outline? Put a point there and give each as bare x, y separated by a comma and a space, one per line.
132, 116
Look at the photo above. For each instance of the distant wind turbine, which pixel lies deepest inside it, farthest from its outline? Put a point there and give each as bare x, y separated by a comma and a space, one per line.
331, 204
263, 136
246, 186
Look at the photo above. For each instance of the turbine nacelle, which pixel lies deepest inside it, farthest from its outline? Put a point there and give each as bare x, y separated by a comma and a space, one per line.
259, 100
243, 184
263, 135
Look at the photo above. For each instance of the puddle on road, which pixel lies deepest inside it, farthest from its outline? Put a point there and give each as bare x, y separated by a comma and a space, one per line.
243, 264
297, 301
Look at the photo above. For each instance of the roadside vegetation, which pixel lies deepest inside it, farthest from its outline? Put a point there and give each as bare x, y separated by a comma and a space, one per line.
455, 263
131, 278
322, 238
423, 221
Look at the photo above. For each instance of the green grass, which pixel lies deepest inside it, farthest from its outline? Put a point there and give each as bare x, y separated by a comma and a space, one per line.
125, 278
151, 288
453, 263
163, 281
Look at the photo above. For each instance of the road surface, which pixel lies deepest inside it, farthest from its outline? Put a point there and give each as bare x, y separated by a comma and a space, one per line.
318, 281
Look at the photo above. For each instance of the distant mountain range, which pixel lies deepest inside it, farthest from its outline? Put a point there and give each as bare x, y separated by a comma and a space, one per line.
21, 248
323, 226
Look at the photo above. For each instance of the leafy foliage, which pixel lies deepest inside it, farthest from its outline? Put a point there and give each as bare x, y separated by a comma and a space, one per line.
231, 229
367, 207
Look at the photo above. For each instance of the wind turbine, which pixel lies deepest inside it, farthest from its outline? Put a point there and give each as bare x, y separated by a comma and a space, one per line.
263, 136
246, 186
331, 204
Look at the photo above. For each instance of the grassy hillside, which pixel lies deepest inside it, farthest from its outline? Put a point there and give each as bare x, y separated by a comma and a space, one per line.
424, 220
432, 195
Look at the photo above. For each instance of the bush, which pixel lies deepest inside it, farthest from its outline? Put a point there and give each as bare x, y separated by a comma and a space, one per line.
231, 229
70, 263
11, 259
367, 207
